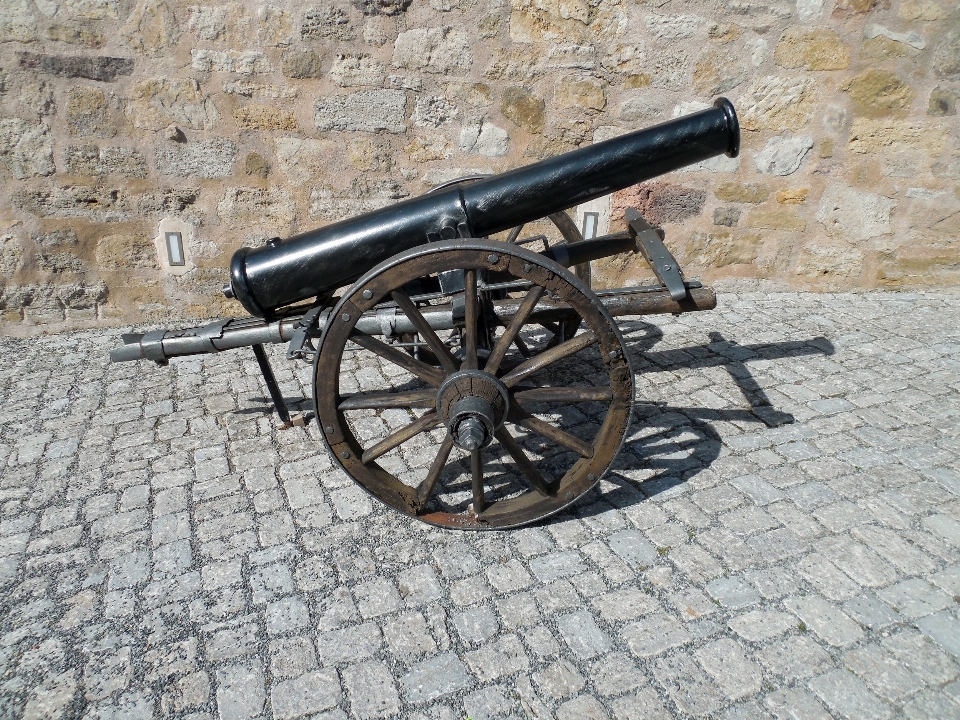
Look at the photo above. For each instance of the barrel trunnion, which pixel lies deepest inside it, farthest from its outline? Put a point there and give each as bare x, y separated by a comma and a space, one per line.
497, 389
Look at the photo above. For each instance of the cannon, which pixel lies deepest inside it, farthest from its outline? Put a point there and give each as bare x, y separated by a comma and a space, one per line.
465, 374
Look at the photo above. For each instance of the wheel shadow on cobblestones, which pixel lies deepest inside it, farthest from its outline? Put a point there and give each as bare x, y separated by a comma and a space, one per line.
670, 444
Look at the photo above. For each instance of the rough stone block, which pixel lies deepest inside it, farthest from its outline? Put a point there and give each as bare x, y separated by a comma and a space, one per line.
524, 108
718, 71
241, 62
17, 22
151, 27
442, 50
357, 70
820, 49
854, 214
104, 69
264, 117
300, 64
727, 216
154, 103
86, 113
660, 202
365, 111
743, 192
672, 27
257, 205
204, 159
327, 22
879, 90
484, 138
845, 694
783, 155
778, 103
946, 56
655, 634
881, 136
724, 661
687, 684
433, 111
825, 619
26, 148
776, 219
585, 93
94, 203
93, 161
435, 678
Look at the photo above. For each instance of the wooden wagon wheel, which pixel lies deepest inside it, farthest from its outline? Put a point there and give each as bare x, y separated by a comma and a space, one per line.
474, 442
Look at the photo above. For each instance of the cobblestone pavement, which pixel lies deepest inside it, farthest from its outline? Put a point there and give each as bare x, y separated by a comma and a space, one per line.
165, 551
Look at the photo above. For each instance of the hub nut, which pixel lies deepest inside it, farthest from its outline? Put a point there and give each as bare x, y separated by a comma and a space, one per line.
472, 423
470, 434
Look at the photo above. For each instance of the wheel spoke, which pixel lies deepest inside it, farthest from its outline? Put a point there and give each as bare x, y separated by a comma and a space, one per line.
384, 400
471, 315
513, 329
525, 420
522, 346
563, 394
420, 323
476, 477
544, 359
514, 234
425, 489
425, 422
524, 463
429, 375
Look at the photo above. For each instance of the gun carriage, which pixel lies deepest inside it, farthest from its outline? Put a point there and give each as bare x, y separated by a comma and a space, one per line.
495, 386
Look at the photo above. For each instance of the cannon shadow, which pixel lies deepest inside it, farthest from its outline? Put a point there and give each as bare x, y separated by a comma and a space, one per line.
684, 442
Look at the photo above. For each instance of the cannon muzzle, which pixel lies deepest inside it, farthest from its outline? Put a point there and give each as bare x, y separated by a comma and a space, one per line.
317, 262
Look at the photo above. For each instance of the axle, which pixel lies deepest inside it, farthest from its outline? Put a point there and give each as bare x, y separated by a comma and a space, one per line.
230, 333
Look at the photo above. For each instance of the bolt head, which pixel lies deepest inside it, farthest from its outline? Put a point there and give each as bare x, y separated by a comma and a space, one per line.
591, 477
345, 455
569, 496
367, 294
493, 259
470, 434
345, 317
527, 267
328, 429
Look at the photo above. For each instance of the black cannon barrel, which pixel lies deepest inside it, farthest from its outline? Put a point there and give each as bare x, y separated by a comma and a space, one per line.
317, 262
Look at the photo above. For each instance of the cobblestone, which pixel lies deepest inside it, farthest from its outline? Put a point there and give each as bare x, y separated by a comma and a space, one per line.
165, 552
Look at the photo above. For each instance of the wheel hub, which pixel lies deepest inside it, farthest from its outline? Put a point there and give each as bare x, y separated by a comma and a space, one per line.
473, 405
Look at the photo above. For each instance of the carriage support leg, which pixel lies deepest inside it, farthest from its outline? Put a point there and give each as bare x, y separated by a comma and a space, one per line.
272, 386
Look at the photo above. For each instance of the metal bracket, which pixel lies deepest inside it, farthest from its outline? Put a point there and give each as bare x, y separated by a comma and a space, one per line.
451, 281
387, 317
300, 347
663, 263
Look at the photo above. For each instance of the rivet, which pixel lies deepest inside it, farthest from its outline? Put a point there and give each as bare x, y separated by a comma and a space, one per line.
569, 496
345, 455
591, 477
367, 294
328, 429
345, 317
493, 259
527, 267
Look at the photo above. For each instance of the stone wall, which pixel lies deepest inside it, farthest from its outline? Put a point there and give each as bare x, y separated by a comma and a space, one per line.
232, 123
